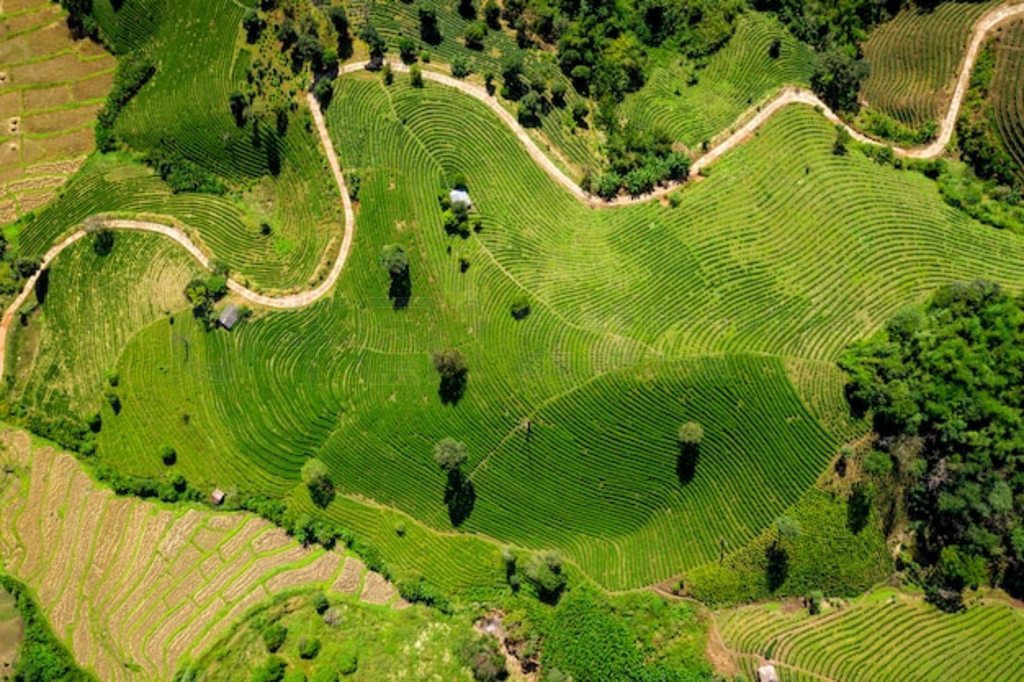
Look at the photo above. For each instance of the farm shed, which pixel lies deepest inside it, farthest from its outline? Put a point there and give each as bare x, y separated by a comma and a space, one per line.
767, 673
217, 496
229, 317
460, 196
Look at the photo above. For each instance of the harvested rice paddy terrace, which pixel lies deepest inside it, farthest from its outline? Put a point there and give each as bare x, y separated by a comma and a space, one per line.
51, 87
884, 635
137, 588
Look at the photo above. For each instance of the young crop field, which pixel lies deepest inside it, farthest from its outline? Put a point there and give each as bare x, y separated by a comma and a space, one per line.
884, 635
1007, 94
134, 588
914, 59
694, 104
51, 87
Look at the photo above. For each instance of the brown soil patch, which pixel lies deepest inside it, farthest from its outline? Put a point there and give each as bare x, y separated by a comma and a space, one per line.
61, 120
377, 590
351, 575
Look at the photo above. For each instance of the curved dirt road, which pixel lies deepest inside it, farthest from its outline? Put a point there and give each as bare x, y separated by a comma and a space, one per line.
290, 301
754, 118
788, 96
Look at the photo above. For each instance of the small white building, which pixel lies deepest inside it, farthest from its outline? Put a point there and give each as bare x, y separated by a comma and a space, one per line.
460, 196
767, 673
217, 496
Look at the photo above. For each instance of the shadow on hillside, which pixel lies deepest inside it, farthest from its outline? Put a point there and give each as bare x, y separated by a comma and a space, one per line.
459, 496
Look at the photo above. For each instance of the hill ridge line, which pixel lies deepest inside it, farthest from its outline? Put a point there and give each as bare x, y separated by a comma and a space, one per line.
788, 96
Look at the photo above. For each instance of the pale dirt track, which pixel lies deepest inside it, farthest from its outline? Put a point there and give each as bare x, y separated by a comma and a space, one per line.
753, 120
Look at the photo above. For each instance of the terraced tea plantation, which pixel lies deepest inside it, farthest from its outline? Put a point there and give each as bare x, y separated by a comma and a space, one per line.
136, 588
523, 410
1007, 95
885, 635
51, 87
915, 58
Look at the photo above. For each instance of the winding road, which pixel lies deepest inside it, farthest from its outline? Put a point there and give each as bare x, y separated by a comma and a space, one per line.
753, 119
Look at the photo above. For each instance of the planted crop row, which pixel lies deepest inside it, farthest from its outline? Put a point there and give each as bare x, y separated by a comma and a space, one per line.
1006, 92
855, 641
694, 104
915, 57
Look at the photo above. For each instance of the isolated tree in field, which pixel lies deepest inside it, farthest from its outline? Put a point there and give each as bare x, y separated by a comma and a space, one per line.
474, 35
239, 107
788, 528
459, 492
369, 35
690, 436
416, 76
877, 463
396, 262
450, 455
318, 480
407, 49
430, 30
451, 366
103, 242
168, 456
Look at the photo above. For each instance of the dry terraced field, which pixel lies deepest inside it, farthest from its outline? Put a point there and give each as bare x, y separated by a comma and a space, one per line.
134, 588
51, 87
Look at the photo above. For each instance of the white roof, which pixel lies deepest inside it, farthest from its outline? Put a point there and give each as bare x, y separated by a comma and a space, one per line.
766, 673
460, 196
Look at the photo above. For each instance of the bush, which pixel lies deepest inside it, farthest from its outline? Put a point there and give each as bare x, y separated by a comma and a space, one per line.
416, 76
407, 49
318, 480
348, 663
520, 308
474, 35
271, 671
309, 648
320, 603
484, 659
103, 242
274, 636
545, 572
168, 456
460, 67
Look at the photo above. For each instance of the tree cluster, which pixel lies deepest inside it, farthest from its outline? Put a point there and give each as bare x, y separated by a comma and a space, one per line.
41, 656
318, 481
132, 73
203, 293
639, 160
944, 386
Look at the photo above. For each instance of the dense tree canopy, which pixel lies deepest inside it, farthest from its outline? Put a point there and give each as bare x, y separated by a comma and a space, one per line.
945, 387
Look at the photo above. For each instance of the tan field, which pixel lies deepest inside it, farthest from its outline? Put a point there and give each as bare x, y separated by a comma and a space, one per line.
132, 587
51, 89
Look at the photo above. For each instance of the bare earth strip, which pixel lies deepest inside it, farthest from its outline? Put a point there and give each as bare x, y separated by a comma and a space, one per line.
124, 587
753, 120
